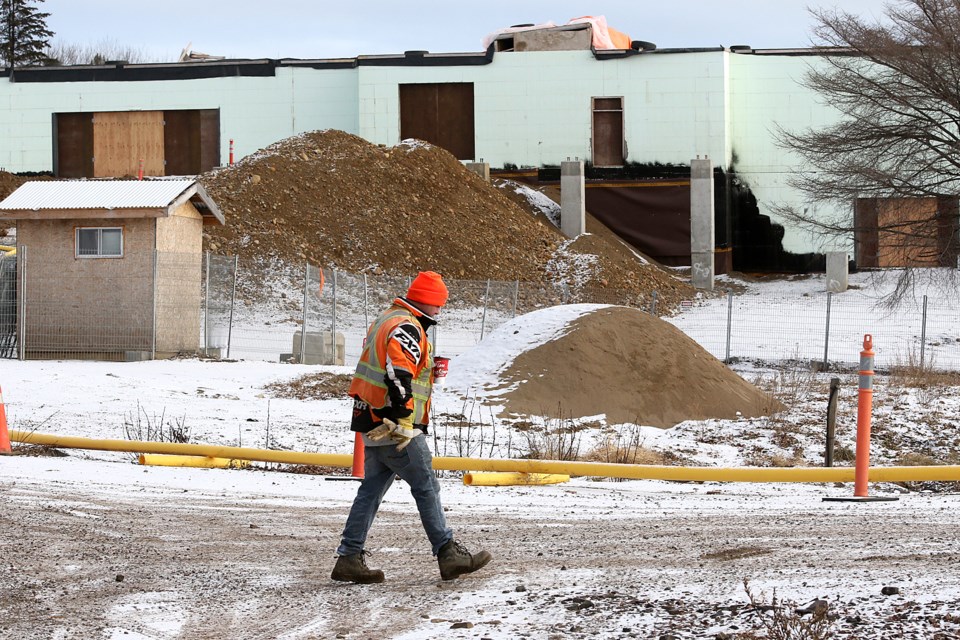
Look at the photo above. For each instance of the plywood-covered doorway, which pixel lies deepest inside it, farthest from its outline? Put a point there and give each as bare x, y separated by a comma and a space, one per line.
124, 139
441, 114
907, 232
113, 143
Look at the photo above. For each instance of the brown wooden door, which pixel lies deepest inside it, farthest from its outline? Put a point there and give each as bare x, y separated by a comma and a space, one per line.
441, 114
191, 141
73, 153
608, 132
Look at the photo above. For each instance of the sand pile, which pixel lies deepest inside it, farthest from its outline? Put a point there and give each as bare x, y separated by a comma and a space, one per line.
334, 199
631, 366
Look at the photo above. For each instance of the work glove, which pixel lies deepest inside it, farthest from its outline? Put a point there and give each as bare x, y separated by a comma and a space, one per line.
401, 432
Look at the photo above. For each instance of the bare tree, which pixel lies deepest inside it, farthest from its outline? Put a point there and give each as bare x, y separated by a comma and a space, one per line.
895, 151
97, 53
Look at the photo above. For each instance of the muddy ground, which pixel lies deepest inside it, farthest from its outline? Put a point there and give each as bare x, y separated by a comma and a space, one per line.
95, 549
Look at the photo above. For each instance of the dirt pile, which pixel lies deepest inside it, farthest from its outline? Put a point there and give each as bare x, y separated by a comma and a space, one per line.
634, 368
334, 199
9, 183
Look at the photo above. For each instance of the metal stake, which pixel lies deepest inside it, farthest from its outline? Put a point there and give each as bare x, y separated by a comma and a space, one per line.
826, 337
153, 337
206, 307
22, 257
233, 299
483, 321
831, 421
333, 331
923, 332
729, 323
303, 326
366, 320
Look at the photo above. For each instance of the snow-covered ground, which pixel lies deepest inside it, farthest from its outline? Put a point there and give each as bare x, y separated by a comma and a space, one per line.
226, 553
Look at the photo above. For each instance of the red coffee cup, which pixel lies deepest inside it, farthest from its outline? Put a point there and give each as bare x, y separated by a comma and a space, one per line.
440, 367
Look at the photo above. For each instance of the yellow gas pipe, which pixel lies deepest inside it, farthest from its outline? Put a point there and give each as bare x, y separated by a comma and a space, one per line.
202, 462
511, 479
593, 469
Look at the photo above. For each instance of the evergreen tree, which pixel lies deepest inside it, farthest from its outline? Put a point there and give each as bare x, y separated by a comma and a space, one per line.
24, 36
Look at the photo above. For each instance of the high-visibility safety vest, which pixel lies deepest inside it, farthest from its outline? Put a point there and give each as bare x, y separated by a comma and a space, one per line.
369, 382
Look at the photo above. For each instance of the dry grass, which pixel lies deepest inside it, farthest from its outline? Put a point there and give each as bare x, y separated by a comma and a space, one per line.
915, 460
312, 386
612, 450
931, 384
783, 620
793, 383
144, 427
556, 440
758, 458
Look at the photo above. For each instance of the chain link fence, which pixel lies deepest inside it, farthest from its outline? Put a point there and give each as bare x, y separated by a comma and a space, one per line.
826, 330
224, 307
8, 305
142, 306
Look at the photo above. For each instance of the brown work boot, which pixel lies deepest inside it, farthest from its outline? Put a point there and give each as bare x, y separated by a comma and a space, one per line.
354, 568
455, 560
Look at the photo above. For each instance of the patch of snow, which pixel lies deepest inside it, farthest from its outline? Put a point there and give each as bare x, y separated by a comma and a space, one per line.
412, 144
571, 269
543, 204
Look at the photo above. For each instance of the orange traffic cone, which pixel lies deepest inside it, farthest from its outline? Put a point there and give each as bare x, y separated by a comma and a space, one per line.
4, 434
358, 456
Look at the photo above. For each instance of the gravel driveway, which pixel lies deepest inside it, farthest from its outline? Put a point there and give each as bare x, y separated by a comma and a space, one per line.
98, 549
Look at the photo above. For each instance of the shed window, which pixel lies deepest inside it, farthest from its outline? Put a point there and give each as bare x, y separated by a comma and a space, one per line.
99, 242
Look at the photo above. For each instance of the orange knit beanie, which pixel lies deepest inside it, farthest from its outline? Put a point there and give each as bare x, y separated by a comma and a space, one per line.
428, 288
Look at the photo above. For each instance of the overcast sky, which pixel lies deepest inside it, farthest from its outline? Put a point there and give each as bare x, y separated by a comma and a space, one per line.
347, 28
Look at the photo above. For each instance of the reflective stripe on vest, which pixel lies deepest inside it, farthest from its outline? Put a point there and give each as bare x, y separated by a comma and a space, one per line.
371, 373
421, 391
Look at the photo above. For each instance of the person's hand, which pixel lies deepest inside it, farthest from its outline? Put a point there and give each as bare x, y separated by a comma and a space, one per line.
401, 432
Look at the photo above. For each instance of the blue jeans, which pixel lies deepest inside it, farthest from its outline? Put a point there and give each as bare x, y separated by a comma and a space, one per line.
381, 465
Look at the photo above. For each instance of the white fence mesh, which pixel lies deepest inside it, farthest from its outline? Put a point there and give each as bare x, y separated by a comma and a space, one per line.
226, 308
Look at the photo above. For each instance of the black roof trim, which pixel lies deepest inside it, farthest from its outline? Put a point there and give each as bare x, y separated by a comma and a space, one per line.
616, 54
122, 72
145, 72
812, 51
689, 50
425, 59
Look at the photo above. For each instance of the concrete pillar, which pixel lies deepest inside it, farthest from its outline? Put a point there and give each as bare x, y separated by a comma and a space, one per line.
838, 268
573, 209
701, 223
482, 169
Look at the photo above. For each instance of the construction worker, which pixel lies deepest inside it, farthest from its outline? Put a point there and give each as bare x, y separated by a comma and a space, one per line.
391, 392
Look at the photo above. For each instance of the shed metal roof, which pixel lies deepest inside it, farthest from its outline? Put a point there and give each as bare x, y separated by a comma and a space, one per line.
84, 198
95, 194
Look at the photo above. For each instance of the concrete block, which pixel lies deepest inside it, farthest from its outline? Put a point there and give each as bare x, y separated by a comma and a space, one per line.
573, 207
702, 269
482, 169
702, 231
319, 348
838, 270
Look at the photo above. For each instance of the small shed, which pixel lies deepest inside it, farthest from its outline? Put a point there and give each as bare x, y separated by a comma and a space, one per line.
109, 269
